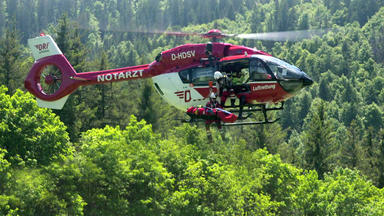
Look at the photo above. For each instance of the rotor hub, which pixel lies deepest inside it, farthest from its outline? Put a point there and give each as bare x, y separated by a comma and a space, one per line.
49, 79
214, 34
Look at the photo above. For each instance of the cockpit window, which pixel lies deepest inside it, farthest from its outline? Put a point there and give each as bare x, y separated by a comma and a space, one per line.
246, 70
258, 70
276, 69
281, 69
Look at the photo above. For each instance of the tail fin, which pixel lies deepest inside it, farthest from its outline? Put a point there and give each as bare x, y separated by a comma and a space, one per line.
50, 78
43, 46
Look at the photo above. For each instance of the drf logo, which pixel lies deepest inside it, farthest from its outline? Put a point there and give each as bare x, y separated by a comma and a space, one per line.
186, 95
42, 47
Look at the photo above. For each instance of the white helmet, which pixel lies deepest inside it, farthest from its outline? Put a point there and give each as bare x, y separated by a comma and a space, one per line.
217, 75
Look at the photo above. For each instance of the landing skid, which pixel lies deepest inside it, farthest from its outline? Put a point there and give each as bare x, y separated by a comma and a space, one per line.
253, 109
250, 123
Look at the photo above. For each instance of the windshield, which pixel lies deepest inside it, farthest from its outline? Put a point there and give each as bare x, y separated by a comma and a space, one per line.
281, 69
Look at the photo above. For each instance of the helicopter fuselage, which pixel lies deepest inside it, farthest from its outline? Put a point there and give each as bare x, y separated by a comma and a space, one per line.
180, 75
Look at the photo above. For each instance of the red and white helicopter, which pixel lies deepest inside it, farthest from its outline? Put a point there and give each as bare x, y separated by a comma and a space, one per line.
180, 75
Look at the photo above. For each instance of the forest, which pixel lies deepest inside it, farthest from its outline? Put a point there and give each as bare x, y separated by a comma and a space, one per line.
119, 149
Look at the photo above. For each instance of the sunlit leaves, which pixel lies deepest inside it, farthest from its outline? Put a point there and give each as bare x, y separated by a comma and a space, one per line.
29, 131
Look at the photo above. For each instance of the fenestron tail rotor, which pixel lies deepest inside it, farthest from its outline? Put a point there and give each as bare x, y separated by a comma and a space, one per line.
50, 79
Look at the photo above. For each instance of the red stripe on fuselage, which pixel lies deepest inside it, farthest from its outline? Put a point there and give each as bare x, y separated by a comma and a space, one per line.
204, 91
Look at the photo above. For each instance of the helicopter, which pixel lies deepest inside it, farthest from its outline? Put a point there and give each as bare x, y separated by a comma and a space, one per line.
183, 76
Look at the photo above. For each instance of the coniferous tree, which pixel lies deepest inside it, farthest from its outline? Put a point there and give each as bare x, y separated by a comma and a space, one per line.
76, 114
103, 88
149, 108
136, 172
2, 16
371, 152
351, 150
374, 30
318, 139
10, 52
380, 140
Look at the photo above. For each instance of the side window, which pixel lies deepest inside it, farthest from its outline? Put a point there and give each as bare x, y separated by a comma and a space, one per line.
201, 76
185, 76
258, 70
238, 70
197, 76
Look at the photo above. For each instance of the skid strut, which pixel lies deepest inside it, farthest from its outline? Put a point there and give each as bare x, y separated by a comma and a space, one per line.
257, 108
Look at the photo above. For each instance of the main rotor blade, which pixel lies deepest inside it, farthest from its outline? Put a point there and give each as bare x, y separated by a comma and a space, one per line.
181, 34
282, 36
160, 32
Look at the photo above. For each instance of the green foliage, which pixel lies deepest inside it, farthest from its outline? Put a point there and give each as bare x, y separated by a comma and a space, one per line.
307, 195
373, 116
318, 138
374, 29
4, 168
134, 171
33, 193
116, 171
35, 135
122, 166
148, 105
344, 192
351, 151
277, 180
10, 59
76, 114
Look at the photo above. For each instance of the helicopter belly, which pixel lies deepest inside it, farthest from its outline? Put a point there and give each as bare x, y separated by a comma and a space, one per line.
178, 94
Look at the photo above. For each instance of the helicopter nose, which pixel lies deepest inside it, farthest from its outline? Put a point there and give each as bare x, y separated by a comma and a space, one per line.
307, 81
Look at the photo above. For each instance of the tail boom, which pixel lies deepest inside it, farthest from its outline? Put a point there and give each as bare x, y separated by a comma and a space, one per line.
114, 75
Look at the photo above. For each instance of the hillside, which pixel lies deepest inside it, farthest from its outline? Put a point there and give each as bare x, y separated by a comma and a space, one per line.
117, 149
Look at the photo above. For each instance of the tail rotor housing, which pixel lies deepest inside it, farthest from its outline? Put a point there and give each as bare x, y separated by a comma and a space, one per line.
50, 78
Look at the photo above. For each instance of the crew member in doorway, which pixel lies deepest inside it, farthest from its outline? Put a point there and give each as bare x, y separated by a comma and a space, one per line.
223, 85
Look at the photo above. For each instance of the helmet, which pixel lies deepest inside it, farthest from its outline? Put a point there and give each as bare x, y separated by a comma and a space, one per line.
213, 95
217, 75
